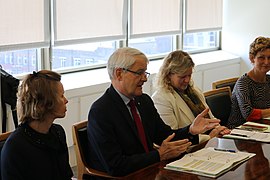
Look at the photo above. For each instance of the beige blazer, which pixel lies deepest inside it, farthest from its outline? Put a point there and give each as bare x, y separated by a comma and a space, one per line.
174, 111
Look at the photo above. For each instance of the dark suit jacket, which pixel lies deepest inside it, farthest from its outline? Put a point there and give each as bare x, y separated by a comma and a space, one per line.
114, 144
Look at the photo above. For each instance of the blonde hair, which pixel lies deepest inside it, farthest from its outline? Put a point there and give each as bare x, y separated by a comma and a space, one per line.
176, 62
37, 95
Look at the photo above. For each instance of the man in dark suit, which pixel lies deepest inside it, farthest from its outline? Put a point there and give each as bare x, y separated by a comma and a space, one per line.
115, 146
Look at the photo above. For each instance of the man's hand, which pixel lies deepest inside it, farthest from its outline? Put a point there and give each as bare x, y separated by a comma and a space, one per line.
201, 124
173, 149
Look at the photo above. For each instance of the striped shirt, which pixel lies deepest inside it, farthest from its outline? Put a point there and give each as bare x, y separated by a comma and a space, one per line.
248, 97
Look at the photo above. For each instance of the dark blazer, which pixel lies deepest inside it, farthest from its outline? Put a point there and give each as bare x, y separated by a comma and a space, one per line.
114, 144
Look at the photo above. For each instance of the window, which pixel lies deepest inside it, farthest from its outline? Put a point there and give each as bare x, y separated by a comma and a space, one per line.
89, 61
25, 60
153, 46
62, 62
6, 58
33, 60
155, 18
24, 30
92, 21
80, 36
91, 54
24, 24
11, 58
76, 61
19, 62
200, 41
203, 15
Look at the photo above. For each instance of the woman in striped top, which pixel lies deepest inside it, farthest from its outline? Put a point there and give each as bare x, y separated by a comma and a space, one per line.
251, 94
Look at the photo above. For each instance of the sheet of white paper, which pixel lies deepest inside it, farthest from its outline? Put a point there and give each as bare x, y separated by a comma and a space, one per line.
208, 162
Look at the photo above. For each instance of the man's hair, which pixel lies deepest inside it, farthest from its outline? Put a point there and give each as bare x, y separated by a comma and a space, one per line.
37, 95
259, 44
123, 58
176, 62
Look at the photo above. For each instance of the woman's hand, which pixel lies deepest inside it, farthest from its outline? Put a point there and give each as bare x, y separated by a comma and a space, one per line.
219, 131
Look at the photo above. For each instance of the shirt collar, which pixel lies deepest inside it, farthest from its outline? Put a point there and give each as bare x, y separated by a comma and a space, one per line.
124, 98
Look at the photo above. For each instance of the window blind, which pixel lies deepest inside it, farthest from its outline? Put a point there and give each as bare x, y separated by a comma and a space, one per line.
203, 15
23, 24
155, 17
89, 20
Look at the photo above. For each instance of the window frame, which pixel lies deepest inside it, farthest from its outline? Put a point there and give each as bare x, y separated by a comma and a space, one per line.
44, 52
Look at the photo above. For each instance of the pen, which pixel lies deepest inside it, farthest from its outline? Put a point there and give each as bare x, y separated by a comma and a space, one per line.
225, 150
241, 135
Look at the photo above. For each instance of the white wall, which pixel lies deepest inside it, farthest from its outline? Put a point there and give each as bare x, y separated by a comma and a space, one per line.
243, 21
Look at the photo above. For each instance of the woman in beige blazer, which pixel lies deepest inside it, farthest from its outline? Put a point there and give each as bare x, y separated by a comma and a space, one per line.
176, 98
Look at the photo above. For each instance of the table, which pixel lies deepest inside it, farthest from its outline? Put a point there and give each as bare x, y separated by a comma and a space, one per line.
255, 168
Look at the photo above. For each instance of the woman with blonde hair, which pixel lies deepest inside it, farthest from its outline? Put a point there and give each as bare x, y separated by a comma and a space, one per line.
37, 149
177, 99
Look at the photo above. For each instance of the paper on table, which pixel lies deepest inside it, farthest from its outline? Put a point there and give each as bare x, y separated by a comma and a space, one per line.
209, 162
248, 135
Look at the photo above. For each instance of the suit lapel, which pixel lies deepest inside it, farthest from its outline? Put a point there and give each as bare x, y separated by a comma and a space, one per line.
119, 103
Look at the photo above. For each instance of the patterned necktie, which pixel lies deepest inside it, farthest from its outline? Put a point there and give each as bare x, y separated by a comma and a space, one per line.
139, 125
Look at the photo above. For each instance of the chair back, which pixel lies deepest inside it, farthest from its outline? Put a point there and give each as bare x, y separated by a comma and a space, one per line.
219, 101
3, 138
224, 83
79, 134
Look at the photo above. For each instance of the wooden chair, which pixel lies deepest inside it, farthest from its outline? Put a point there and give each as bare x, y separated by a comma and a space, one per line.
219, 101
79, 134
225, 82
3, 138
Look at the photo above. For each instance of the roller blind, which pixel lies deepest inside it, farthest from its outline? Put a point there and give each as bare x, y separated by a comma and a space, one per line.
203, 15
89, 20
23, 24
155, 17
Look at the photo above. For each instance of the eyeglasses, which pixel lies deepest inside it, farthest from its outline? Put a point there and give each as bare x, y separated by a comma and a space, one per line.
138, 73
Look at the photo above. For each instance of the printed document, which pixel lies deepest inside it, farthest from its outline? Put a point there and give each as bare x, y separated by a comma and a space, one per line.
247, 132
209, 162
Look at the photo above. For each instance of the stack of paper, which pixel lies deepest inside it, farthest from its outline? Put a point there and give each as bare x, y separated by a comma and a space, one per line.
251, 131
209, 162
